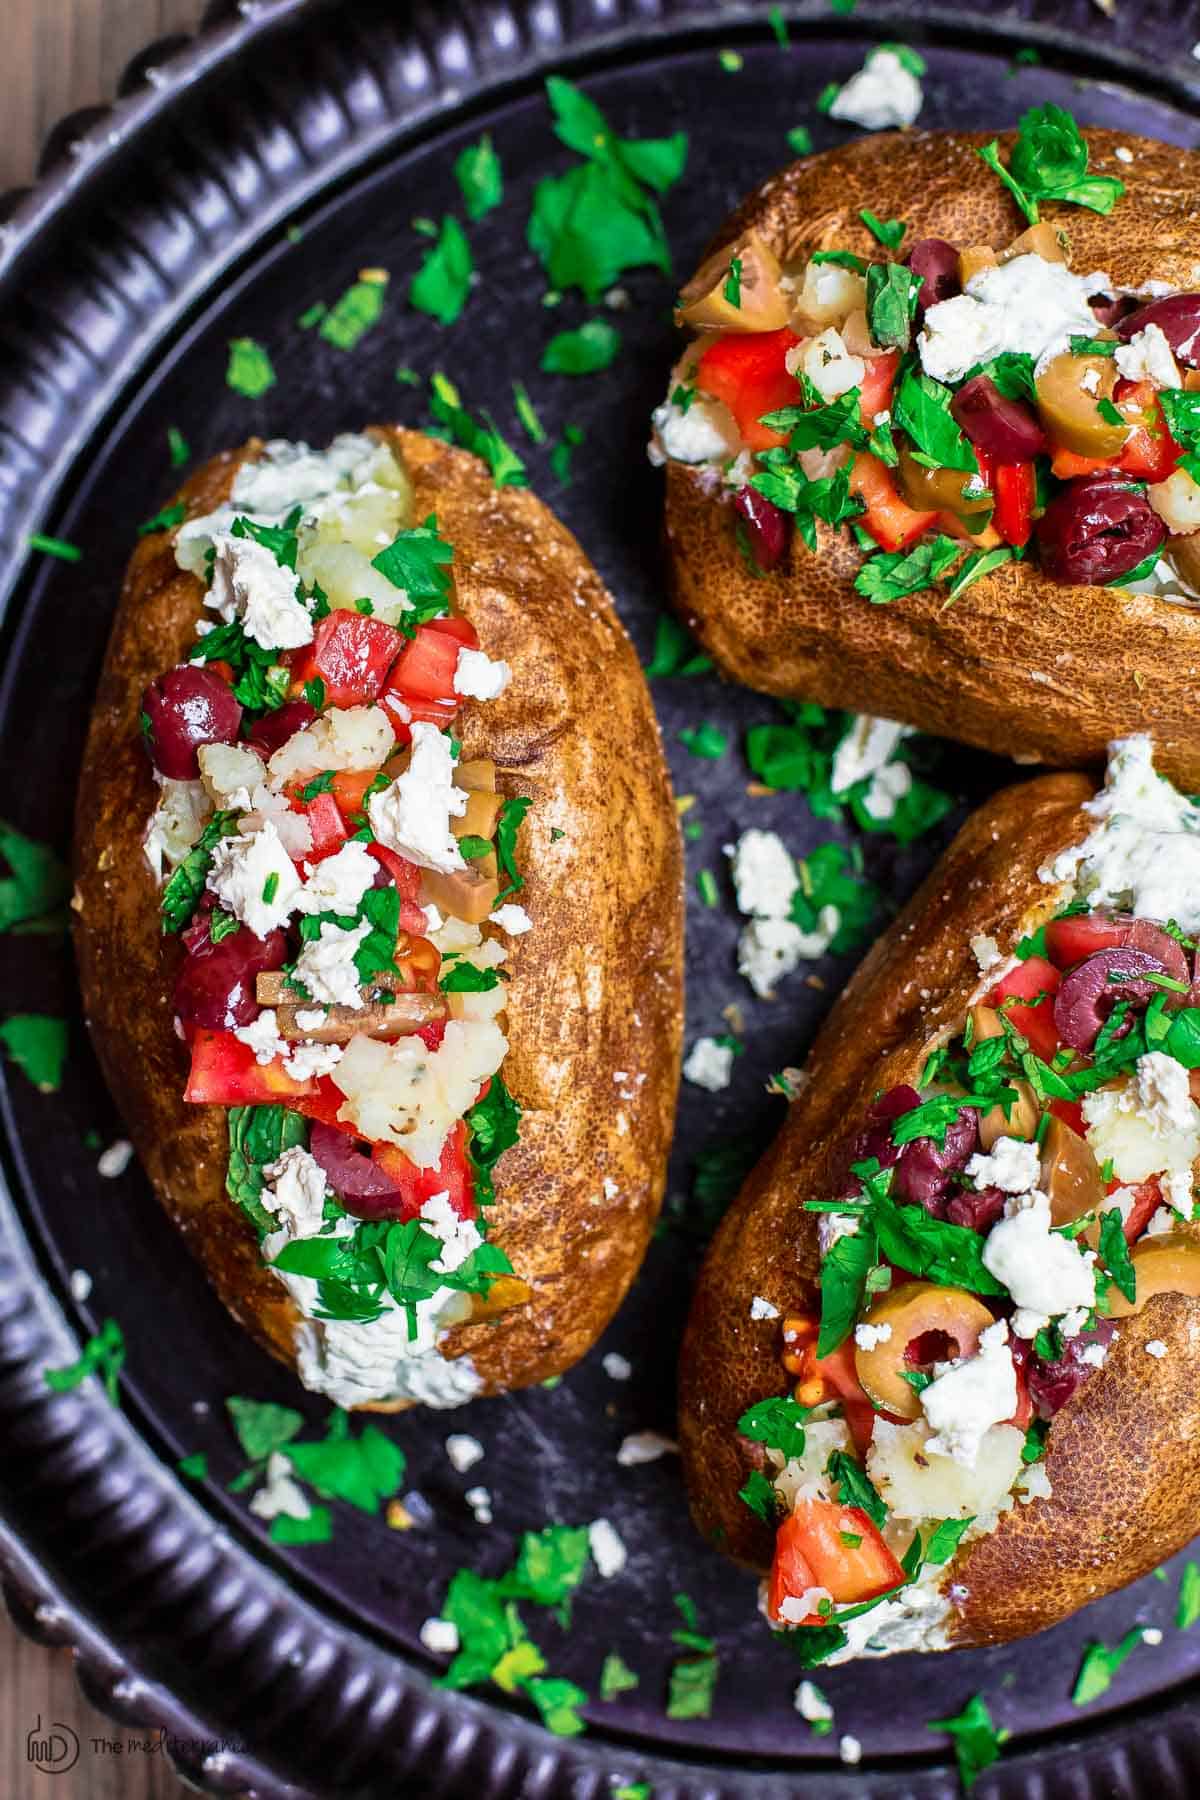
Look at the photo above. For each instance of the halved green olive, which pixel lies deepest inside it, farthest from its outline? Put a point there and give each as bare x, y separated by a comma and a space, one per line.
1020, 1121
944, 490
1168, 1264
1070, 391
760, 306
1070, 1174
915, 1310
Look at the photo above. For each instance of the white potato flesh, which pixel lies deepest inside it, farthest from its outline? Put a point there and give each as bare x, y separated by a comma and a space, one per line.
346, 576
830, 293
1177, 502
354, 737
229, 769
918, 1485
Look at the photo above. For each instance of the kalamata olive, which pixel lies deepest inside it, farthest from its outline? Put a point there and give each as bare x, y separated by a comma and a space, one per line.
1111, 308
359, 1183
768, 528
1177, 317
1145, 935
1096, 530
1051, 1384
216, 982
977, 1210
875, 1138
936, 262
272, 731
1091, 990
186, 708
1006, 429
925, 1167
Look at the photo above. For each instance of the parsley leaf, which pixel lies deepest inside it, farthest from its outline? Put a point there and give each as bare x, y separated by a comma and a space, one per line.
249, 371
855, 1487
1114, 1253
831, 875
480, 178
507, 826
443, 281
892, 291
892, 574
976, 1740
945, 1540
1100, 1664
102, 1355
922, 409
359, 308
675, 651
361, 1470
705, 740
582, 352
164, 520
181, 894
693, 1682
844, 1270
1049, 162
777, 1422
35, 888
38, 1046
483, 440
616, 1677
890, 232
261, 1426
416, 560
1188, 1610
758, 1494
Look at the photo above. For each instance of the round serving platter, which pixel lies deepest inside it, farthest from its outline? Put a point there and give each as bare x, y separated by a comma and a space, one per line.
239, 180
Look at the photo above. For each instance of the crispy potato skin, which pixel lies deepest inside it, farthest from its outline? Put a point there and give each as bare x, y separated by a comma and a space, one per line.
1018, 665
596, 986
1122, 1454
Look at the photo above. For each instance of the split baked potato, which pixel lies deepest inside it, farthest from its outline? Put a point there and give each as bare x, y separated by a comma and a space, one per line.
982, 1351
1021, 507
546, 929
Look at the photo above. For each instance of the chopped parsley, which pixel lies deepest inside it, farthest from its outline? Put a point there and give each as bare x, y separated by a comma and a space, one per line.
977, 1741
693, 1678
1188, 1610
181, 893
195, 1466
582, 352
443, 281
483, 440
732, 289
1049, 162
480, 177
164, 520
258, 1136
891, 304
507, 826
831, 875
36, 887
890, 232
675, 651
249, 371
616, 1677
38, 1046
800, 140
416, 560
178, 448
1100, 1664
563, 451
527, 413
778, 1423
362, 1470
102, 1355
360, 307
54, 546
757, 1493
705, 740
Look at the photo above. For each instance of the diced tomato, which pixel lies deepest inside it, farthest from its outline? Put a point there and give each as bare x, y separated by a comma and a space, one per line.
889, 520
1069, 940
451, 1176
351, 652
1015, 488
454, 625
221, 668
405, 874
424, 668
791, 1575
851, 1571
349, 790
1147, 1198
325, 823
876, 392
1034, 976
431, 1035
404, 709
1071, 1113
839, 1377
1150, 451
747, 371
224, 1073
1067, 464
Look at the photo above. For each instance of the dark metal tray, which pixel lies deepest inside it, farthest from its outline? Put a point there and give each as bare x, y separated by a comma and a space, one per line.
158, 232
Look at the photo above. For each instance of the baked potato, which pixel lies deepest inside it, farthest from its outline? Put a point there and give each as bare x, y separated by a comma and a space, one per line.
941, 1371
342, 910
956, 469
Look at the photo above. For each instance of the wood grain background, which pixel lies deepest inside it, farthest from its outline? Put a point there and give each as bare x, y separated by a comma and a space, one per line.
60, 55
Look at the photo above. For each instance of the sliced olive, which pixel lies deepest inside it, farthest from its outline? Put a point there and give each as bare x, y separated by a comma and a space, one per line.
973, 260
944, 490
1039, 240
476, 774
1070, 1175
466, 894
502, 1295
1169, 1264
1020, 1121
948, 1319
1184, 555
1070, 392
759, 303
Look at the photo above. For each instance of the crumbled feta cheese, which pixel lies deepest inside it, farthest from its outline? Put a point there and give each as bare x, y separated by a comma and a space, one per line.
1027, 305
1073, 1322
477, 677
762, 1309
829, 365
887, 788
248, 584
764, 875
1178, 1186
616, 1366
440, 1637
1094, 1355
869, 1337
1046, 1274
769, 949
970, 1395
709, 1064
1033, 1483
1143, 856
850, 1750
412, 814
1152, 1636
795, 1608
281, 1495
115, 1160
706, 432
1156, 1348
405, 1094
80, 1285
1012, 1166
306, 1062
325, 967
309, 1018
1164, 1093
337, 883
608, 1552
464, 1451
255, 879
882, 95
832, 1226
479, 1500
262, 1036
643, 1447
1148, 357
1146, 1126
1123, 153
512, 919
811, 1703
297, 1190
869, 744
459, 1237
986, 951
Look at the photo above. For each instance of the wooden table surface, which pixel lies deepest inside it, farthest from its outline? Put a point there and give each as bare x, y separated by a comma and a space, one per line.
63, 54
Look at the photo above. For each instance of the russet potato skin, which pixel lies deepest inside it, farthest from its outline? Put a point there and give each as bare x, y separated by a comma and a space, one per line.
596, 985
1123, 1455
1019, 664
